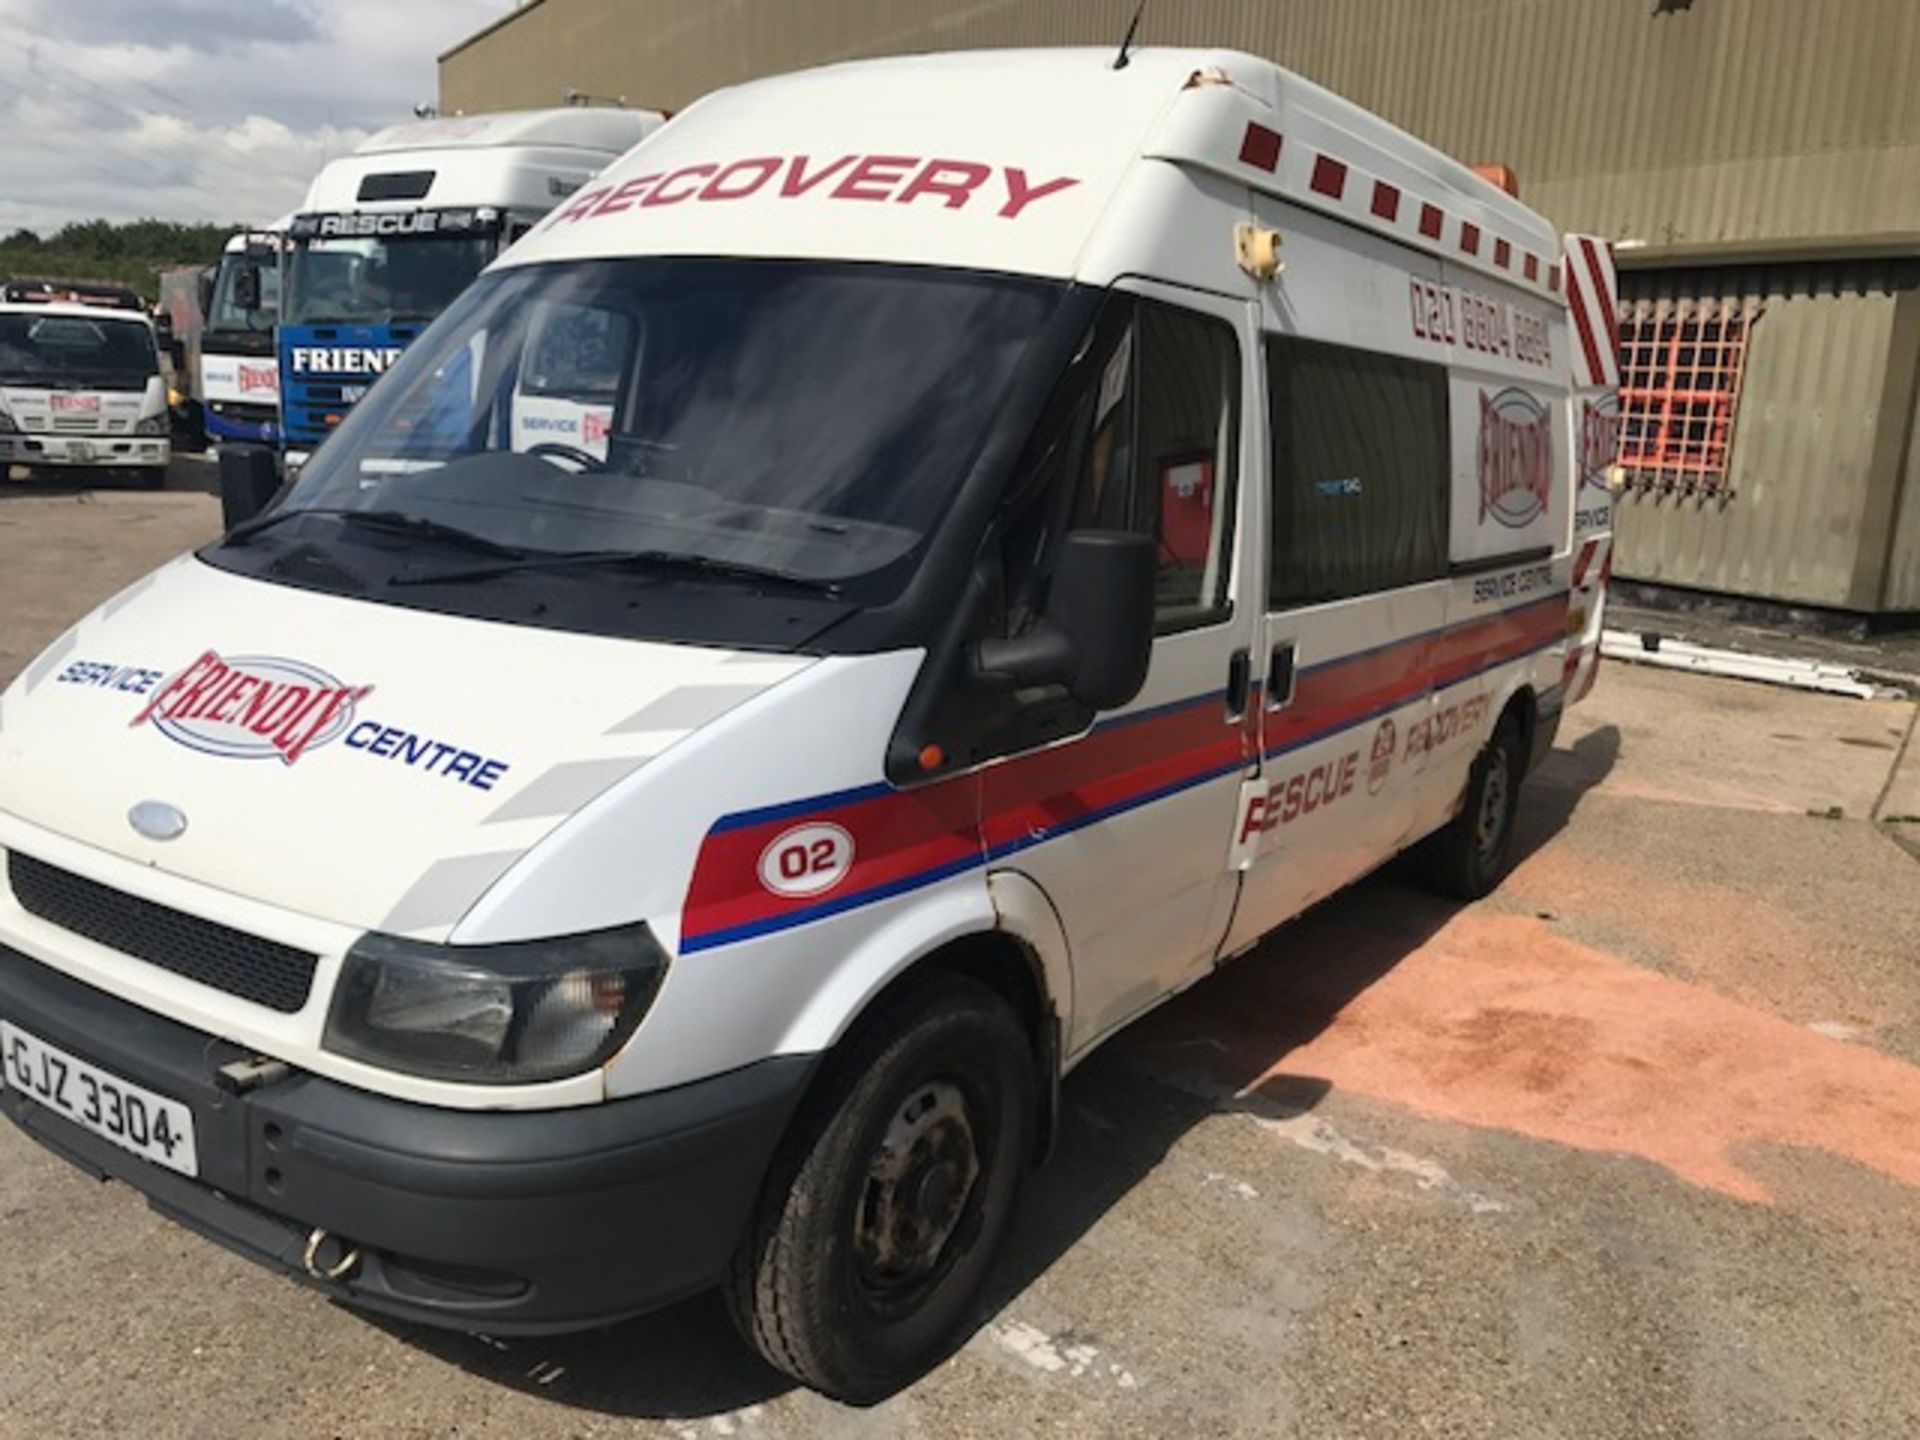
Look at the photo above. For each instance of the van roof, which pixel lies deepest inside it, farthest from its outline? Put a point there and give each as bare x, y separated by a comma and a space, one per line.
1009, 160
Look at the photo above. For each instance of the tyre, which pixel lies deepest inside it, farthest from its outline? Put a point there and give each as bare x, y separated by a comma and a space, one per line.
890, 1196
1471, 854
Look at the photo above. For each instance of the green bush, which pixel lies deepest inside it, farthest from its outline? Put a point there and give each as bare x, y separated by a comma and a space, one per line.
126, 252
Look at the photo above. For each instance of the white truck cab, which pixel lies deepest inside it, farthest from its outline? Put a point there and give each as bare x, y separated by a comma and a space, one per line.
80, 387
1042, 527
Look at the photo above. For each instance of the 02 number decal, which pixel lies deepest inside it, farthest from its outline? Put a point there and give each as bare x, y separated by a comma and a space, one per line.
806, 860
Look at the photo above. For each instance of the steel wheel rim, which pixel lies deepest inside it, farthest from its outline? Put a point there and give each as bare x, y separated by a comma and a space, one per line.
1490, 825
922, 1187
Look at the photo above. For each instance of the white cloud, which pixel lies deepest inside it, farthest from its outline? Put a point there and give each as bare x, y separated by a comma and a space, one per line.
202, 109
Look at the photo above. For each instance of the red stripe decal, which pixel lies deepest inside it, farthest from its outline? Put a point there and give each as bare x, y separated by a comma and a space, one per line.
1532, 267
1386, 200
1553, 278
1583, 323
1502, 254
1469, 238
1430, 221
1329, 176
904, 838
1602, 297
1261, 148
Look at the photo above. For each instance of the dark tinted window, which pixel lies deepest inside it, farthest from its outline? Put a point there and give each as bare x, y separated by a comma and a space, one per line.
1360, 472
397, 185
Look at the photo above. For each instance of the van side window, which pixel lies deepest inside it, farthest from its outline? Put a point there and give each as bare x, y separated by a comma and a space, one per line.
1160, 455
577, 351
1360, 472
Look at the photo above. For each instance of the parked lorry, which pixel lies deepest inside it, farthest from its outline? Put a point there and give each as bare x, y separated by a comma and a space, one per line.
1046, 525
239, 376
80, 382
389, 235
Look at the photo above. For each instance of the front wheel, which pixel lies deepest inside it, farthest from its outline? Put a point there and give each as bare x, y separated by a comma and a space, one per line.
1470, 855
878, 1221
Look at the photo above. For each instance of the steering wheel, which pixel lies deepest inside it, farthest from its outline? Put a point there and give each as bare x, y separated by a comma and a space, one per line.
589, 463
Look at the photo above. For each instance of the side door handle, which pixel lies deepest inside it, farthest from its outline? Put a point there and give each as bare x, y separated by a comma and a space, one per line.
1239, 682
1281, 673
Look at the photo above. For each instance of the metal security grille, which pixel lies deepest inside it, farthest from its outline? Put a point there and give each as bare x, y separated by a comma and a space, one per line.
276, 976
1680, 369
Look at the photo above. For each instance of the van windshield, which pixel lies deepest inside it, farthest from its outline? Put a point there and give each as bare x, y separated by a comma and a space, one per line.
715, 419
96, 351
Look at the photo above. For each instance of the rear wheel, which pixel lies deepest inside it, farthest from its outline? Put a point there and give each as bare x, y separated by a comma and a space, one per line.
880, 1217
1468, 857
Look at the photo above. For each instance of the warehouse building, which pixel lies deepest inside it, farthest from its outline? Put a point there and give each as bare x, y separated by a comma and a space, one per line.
1757, 162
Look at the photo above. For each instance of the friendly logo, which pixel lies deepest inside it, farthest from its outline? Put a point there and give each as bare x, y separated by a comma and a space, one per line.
1516, 458
1386, 740
252, 707
1599, 440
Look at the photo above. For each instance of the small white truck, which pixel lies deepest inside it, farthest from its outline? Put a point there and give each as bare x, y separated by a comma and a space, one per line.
81, 388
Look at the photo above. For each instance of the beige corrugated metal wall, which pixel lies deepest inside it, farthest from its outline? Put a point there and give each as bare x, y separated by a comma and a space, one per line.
1817, 440
1748, 122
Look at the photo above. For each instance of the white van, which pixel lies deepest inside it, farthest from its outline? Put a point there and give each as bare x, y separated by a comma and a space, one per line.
80, 386
1048, 525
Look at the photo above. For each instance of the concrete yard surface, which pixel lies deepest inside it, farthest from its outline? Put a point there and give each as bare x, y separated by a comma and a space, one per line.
1631, 1148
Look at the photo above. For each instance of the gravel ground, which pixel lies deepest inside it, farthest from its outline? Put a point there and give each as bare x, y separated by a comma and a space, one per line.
1631, 1148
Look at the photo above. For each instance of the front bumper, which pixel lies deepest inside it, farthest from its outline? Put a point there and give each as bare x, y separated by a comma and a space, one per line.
498, 1221
91, 450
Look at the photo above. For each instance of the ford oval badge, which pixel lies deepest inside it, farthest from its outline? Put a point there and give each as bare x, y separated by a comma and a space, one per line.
157, 820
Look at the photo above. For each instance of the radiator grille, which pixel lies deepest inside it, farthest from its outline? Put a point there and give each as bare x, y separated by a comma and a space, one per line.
263, 971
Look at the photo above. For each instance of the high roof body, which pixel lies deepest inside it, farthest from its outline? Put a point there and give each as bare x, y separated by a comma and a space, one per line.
524, 159
1009, 160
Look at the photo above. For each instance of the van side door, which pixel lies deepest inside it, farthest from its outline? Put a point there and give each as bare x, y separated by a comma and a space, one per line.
1125, 827
1356, 566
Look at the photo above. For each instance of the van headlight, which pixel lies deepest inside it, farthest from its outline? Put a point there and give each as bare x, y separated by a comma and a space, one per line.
494, 1014
156, 426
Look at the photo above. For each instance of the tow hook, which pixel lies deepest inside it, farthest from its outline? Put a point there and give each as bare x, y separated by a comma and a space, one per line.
329, 1257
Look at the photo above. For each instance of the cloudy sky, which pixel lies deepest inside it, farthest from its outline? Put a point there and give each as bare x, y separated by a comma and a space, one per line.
202, 109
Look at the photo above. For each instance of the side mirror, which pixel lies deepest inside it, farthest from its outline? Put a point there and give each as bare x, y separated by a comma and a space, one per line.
246, 288
249, 479
1096, 637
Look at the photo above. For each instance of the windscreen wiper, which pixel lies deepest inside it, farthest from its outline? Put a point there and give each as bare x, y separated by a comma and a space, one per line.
667, 560
390, 522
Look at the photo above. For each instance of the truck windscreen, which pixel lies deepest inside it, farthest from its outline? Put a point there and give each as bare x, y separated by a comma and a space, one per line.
366, 280
91, 350
226, 312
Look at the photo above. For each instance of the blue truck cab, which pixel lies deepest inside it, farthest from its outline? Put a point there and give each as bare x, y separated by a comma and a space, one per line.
389, 235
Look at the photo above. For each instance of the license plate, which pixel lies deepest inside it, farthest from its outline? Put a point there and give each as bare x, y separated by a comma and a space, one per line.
80, 450
151, 1126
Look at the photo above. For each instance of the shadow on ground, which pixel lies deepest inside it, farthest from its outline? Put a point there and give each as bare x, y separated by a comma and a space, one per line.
1120, 1120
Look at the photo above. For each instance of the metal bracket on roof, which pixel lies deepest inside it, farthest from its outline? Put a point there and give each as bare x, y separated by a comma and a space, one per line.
1256, 250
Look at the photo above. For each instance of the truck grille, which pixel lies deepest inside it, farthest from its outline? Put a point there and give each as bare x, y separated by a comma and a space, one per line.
270, 974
